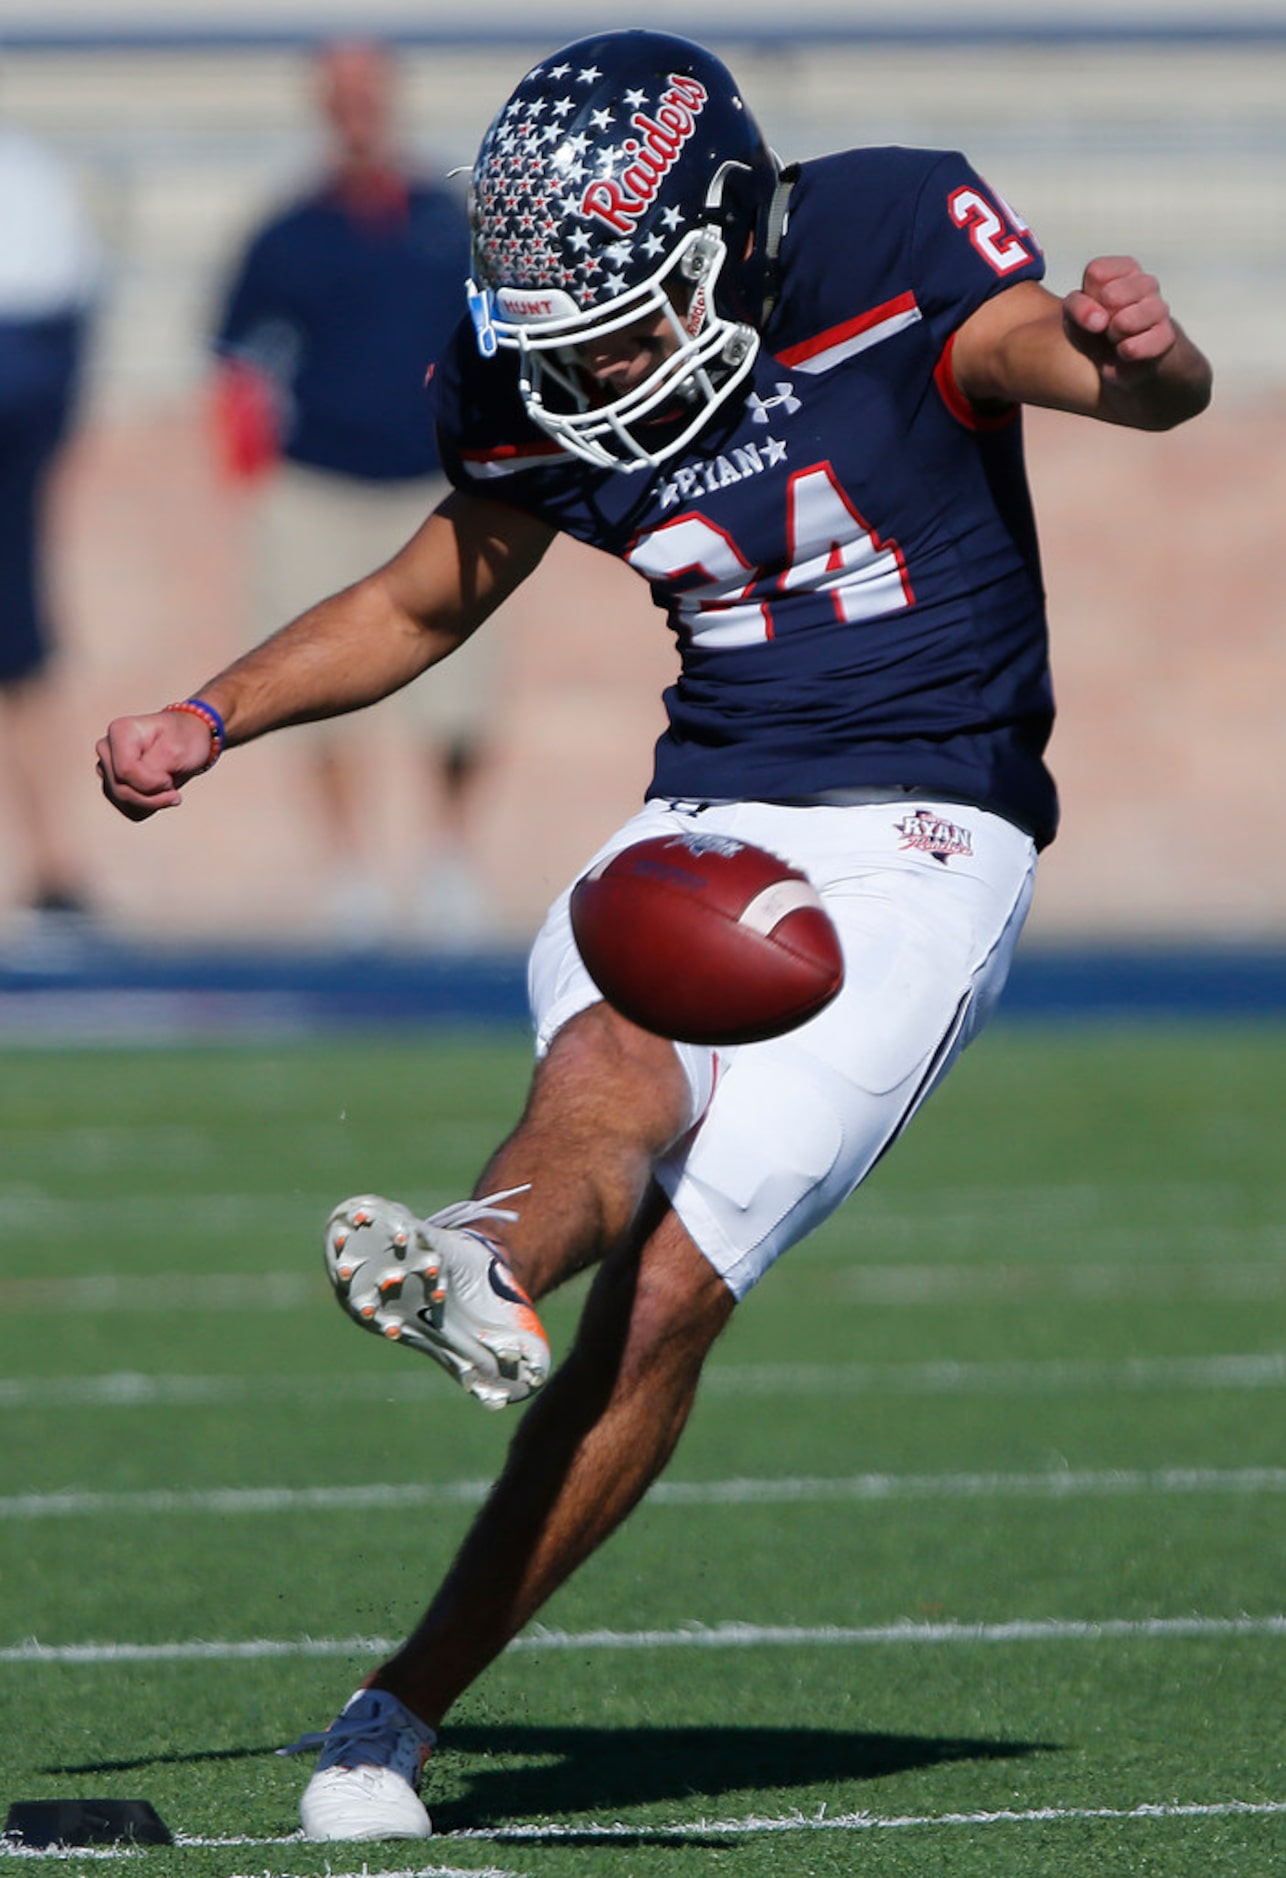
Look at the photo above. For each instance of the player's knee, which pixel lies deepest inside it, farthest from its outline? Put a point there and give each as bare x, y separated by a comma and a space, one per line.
680, 1303
633, 1081
654, 1313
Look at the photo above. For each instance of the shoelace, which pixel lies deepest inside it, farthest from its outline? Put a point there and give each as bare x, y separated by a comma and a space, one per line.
474, 1212
376, 1731
376, 1742
306, 1744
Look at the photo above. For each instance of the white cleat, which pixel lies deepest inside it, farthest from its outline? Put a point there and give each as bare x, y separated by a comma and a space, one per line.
440, 1286
368, 1773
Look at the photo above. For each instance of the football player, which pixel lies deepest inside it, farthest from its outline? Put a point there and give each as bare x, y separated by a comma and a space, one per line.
790, 398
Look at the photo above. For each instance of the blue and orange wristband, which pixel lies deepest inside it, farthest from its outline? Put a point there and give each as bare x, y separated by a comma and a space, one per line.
197, 707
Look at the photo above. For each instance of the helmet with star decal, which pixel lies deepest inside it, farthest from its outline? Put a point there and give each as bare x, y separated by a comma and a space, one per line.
624, 179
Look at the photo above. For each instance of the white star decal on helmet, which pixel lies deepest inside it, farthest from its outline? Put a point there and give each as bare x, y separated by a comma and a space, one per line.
594, 205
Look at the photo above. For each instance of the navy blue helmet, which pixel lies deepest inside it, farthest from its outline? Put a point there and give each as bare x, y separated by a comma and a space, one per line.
624, 178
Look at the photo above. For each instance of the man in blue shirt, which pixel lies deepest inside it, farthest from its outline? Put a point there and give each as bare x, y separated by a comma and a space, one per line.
791, 400
337, 308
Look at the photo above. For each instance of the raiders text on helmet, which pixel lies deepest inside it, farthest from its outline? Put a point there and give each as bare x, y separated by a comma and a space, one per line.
624, 178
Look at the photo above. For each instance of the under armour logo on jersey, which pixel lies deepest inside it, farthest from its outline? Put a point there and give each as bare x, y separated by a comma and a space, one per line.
784, 400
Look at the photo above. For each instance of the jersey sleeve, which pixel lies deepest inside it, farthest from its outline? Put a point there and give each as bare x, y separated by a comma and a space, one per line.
966, 244
486, 442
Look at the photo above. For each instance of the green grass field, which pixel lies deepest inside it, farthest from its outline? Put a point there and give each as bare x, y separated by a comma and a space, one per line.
972, 1560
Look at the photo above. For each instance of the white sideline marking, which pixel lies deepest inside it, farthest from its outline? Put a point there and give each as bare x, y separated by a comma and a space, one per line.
1091, 1280
66, 1851
403, 1871
185, 1842
244, 1499
753, 1824
134, 1389
876, 1822
788, 1489
1020, 1630
1257, 1371
726, 1636
1250, 1280
1064, 1484
166, 1291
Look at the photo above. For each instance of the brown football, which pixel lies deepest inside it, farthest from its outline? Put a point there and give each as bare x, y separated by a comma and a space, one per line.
706, 939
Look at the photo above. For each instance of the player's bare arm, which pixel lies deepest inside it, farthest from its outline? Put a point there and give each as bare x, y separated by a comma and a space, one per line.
348, 651
1110, 349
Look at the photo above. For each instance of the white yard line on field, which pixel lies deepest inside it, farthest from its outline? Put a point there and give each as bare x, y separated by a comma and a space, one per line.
185, 1842
224, 1500
751, 1826
725, 1636
1059, 1484
1120, 1276
1124, 1274
1058, 1376
1261, 1370
68, 1852
1063, 1483
877, 1822
164, 1291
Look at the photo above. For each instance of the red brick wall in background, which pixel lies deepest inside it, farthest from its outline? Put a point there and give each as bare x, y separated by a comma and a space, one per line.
1168, 603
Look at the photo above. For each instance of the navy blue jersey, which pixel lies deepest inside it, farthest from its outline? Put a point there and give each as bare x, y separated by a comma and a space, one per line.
347, 311
847, 556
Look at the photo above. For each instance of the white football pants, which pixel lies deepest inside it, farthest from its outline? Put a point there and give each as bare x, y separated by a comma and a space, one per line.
929, 898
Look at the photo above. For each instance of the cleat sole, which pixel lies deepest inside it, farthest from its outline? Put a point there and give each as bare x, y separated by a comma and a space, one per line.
395, 1282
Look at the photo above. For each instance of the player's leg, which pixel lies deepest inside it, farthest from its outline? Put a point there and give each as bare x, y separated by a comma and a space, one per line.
792, 1127
586, 1452
605, 1101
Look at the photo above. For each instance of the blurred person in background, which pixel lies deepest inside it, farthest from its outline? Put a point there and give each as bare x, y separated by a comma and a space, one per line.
337, 309
49, 279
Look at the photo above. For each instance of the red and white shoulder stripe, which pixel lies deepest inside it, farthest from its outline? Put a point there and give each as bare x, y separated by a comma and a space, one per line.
838, 343
507, 459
